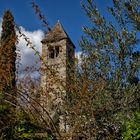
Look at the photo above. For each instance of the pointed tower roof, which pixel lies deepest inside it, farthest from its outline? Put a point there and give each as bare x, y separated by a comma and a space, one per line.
57, 33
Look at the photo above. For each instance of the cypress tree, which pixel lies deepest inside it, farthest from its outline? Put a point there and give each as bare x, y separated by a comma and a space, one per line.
8, 53
7, 75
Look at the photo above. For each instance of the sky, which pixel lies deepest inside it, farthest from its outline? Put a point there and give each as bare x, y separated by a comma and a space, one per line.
68, 12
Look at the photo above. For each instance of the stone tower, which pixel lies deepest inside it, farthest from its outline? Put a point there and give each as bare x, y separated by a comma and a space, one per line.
58, 54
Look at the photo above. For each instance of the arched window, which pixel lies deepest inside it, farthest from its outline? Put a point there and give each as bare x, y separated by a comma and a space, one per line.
53, 52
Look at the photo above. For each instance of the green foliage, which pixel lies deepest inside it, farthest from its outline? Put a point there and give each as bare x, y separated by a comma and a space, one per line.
25, 128
108, 88
7, 76
127, 14
8, 54
14, 125
132, 128
108, 51
7, 118
129, 9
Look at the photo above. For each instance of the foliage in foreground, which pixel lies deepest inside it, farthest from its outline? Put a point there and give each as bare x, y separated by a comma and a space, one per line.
106, 91
25, 128
132, 128
14, 124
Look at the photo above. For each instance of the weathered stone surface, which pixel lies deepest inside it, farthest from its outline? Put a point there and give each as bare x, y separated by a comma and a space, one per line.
58, 58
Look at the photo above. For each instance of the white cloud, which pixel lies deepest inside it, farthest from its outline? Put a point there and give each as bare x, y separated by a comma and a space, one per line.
27, 55
78, 55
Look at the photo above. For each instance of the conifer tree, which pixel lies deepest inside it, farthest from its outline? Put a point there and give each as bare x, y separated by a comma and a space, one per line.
7, 75
8, 53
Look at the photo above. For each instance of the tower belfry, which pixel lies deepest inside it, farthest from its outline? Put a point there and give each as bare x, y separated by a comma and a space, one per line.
58, 54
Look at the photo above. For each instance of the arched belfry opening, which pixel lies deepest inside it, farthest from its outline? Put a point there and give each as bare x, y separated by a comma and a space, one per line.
58, 52
53, 52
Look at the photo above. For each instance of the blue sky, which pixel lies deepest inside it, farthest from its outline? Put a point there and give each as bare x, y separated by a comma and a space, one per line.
69, 12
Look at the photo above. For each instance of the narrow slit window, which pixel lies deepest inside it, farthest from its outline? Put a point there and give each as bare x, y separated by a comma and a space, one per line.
51, 53
57, 50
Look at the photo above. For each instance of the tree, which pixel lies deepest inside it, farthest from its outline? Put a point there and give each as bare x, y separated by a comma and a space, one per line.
107, 89
127, 13
8, 53
7, 74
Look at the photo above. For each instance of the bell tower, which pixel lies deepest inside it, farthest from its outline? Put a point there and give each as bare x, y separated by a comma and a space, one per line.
58, 54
